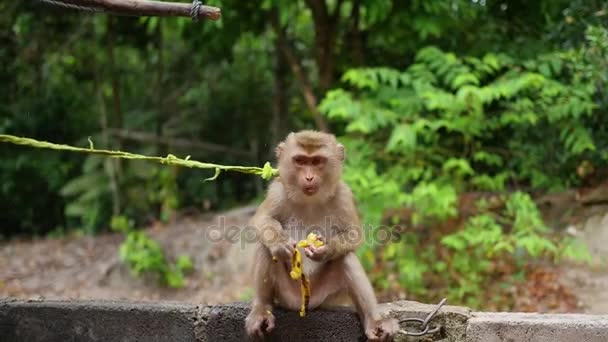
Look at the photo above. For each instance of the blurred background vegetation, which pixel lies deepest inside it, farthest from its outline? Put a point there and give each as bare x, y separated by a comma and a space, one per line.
457, 116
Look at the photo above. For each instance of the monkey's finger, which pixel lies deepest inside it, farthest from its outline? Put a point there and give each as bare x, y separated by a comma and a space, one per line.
269, 324
290, 248
323, 248
258, 334
371, 335
260, 331
383, 335
308, 252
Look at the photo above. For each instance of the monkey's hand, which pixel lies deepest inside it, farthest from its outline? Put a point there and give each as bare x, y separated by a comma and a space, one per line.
381, 330
282, 250
316, 253
259, 322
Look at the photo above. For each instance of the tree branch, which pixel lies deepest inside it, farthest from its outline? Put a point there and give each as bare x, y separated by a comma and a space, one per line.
138, 8
319, 9
145, 137
336, 15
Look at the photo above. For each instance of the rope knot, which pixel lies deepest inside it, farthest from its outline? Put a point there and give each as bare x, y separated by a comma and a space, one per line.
194, 10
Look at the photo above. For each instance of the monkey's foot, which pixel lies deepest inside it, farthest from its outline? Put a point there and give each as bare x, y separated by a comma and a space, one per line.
382, 330
259, 322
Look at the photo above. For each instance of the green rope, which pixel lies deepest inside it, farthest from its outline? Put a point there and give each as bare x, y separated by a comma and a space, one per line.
265, 172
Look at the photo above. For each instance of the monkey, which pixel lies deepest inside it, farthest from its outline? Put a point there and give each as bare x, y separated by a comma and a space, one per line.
309, 195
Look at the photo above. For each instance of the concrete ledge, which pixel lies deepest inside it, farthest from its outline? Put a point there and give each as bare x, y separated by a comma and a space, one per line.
61, 321
52, 321
492, 327
226, 323
453, 319
89, 321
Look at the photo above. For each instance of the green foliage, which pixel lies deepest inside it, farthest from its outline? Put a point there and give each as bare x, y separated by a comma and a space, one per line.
247, 294
487, 238
449, 124
143, 255
67, 76
516, 232
507, 99
88, 194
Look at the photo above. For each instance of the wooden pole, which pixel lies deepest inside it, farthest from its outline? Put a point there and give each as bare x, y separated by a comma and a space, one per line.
140, 8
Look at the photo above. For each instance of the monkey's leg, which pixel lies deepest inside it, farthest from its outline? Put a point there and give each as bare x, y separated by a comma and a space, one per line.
260, 319
362, 295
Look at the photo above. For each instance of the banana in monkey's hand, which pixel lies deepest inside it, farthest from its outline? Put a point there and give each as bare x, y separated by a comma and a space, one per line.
311, 239
296, 260
296, 269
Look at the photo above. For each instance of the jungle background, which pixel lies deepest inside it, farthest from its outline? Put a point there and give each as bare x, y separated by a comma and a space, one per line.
476, 136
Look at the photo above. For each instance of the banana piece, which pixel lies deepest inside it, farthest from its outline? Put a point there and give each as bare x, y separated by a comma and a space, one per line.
296, 269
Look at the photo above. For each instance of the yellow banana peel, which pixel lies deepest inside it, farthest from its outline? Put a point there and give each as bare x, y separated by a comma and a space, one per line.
296, 269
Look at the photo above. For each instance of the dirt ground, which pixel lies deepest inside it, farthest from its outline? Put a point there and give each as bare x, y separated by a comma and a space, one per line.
88, 267
590, 282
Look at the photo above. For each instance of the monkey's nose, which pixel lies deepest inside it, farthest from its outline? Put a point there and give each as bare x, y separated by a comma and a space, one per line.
309, 178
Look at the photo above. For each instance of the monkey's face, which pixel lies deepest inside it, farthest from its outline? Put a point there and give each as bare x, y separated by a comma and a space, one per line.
310, 165
309, 172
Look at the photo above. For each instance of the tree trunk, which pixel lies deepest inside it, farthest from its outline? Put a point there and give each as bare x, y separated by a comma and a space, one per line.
325, 39
117, 116
356, 39
325, 25
160, 112
279, 101
8, 41
298, 70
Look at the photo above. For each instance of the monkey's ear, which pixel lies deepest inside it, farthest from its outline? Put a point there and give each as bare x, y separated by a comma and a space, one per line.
279, 150
341, 152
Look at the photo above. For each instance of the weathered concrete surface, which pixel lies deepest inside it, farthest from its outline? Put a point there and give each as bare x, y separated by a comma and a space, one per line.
453, 319
226, 323
92, 321
512, 327
59, 321
65, 321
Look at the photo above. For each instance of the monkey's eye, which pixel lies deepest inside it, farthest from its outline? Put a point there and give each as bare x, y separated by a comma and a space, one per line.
300, 160
316, 161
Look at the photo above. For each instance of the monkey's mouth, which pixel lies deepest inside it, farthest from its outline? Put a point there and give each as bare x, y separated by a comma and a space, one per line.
310, 190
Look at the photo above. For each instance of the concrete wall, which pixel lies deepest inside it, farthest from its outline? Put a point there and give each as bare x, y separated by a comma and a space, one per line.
64, 321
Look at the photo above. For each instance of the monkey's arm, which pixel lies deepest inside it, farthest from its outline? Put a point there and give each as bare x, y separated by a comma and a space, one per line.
346, 234
269, 230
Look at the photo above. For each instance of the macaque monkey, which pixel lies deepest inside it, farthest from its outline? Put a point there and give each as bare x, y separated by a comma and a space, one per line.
309, 196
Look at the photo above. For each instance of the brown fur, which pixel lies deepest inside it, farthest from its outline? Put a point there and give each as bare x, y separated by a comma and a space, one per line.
288, 214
